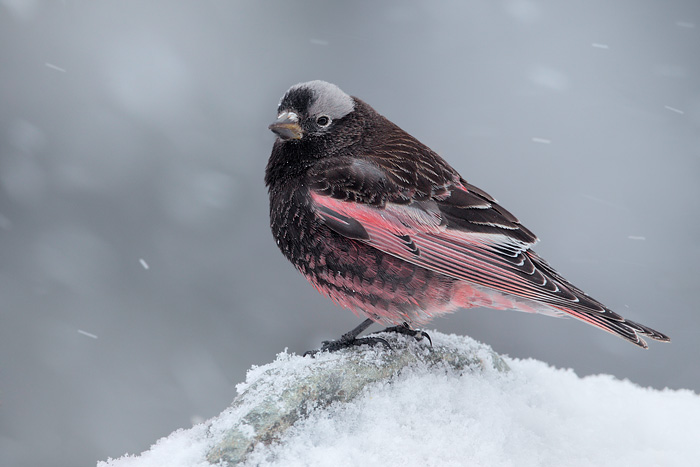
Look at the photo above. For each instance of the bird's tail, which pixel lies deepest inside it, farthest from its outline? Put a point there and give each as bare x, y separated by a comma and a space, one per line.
593, 312
615, 324
568, 301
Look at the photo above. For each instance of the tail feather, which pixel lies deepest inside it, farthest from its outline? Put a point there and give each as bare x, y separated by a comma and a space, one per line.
593, 312
613, 323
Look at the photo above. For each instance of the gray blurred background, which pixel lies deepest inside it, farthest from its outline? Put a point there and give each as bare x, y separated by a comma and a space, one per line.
138, 278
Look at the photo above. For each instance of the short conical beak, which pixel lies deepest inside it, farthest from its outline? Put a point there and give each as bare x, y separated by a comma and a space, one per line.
287, 126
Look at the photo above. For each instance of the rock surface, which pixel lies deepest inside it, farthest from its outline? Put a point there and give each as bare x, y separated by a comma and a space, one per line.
277, 395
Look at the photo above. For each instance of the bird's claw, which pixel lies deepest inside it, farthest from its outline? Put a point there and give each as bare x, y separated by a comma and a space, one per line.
404, 329
333, 346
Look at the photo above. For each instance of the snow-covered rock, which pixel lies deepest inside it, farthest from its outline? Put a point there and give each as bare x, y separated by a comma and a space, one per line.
455, 403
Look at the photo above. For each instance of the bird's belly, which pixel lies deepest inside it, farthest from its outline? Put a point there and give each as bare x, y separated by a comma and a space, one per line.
374, 284
370, 282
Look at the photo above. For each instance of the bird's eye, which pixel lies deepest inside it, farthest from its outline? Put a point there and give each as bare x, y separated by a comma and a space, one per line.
323, 120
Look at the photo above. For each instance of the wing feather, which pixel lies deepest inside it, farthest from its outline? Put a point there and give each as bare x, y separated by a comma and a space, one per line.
500, 261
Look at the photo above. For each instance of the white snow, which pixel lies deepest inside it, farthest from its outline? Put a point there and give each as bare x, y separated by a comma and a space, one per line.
55, 67
598, 45
541, 140
144, 264
673, 109
534, 415
88, 334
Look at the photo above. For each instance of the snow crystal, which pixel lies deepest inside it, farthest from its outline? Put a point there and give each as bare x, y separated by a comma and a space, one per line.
541, 140
673, 109
144, 264
88, 334
54, 67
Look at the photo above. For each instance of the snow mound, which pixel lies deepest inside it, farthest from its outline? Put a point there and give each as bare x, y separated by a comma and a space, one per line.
452, 404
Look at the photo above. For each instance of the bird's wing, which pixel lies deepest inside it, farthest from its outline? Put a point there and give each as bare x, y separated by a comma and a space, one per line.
449, 226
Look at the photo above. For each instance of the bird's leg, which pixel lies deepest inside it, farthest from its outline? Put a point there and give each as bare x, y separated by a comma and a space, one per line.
406, 330
350, 339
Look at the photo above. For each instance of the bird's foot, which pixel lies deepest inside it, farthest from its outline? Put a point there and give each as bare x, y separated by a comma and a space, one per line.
407, 331
350, 339
342, 343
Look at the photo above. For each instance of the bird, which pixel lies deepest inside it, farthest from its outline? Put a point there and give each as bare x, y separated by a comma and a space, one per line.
384, 226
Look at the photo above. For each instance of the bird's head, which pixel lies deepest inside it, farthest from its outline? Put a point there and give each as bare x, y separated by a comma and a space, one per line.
310, 110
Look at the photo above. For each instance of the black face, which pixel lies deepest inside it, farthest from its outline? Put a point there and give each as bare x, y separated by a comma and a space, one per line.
316, 120
308, 116
297, 100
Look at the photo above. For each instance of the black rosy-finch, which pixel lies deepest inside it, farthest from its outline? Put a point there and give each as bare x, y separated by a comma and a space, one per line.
382, 225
